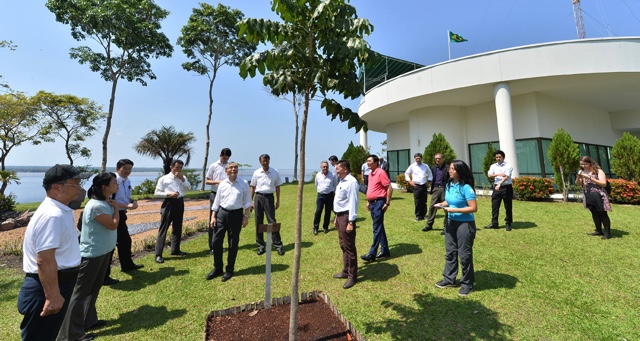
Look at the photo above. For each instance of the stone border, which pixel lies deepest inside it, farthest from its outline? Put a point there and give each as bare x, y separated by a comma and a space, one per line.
305, 296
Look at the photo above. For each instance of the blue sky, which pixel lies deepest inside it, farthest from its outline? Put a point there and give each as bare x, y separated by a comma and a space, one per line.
245, 118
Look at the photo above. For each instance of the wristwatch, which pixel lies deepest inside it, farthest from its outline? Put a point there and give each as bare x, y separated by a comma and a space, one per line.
352, 222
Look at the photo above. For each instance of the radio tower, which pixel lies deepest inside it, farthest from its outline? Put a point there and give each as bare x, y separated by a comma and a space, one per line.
577, 16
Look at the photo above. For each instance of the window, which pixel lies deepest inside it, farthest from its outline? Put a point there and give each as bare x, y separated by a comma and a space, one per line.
399, 161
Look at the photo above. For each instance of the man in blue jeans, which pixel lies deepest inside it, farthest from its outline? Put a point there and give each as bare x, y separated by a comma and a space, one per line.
378, 200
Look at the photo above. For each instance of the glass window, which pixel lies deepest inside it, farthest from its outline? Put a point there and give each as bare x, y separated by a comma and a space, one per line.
548, 168
476, 157
528, 157
398, 162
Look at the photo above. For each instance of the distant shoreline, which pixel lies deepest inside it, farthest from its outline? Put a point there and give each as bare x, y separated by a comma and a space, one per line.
42, 169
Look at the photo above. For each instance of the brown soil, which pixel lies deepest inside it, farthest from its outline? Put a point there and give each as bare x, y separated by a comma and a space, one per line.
316, 321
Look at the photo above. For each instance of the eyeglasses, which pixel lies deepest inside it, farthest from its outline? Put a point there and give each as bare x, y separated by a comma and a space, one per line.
438, 158
72, 185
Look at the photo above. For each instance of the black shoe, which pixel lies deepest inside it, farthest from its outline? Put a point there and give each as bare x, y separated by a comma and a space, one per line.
349, 283
315, 232
159, 259
98, 324
418, 219
508, 227
178, 253
442, 284
368, 257
213, 274
595, 233
281, 251
226, 276
442, 233
211, 252
87, 337
134, 267
605, 237
427, 228
464, 292
110, 281
381, 255
492, 226
326, 231
261, 252
341, 275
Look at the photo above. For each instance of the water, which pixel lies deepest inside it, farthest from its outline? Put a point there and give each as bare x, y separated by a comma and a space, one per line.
30, 187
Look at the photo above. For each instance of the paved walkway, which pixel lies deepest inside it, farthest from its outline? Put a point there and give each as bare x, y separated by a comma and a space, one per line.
142, 227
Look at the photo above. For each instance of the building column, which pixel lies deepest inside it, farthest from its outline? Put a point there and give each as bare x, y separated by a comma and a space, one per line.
363, 139
504, 116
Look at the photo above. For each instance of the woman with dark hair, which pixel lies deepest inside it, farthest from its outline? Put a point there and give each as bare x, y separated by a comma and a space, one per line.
460, 203
593, 180
98, 237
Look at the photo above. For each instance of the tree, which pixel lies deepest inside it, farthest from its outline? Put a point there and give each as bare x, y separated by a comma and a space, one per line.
383, 153
166, 144
316, 50
20, 122
489, 159
625, 157
127, 32
356, 155
8, 44
564, 155
439, 144
210, 39
72, 119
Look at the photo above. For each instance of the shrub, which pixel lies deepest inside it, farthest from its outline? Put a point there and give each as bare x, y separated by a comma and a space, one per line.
402, 183
624, 192
488, 160
439, 144
7, 202
564, 156
625, 157
528, 187
357, 156
146, 187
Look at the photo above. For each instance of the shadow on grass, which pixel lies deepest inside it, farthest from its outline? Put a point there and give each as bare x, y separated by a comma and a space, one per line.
437, 318
487, 280
618, 233
141, 279
404, 249
377, 272
523, 225
144, 318
260, 269
287, 247
8, 291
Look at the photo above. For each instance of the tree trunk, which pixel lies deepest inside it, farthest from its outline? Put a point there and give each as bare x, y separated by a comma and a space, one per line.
207, 143
107, 127
565, 186
295, 159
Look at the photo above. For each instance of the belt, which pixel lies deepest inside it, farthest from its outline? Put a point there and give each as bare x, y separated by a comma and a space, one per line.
438, 185
265, 194
214, 192
178, 198
420, 185
226, 210
374, 200
326, 193
338, 214
64, 275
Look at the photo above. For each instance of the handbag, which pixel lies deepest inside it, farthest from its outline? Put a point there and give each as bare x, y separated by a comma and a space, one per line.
607, 188
363, 188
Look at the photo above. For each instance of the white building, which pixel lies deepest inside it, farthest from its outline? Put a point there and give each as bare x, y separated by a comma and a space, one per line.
516, 98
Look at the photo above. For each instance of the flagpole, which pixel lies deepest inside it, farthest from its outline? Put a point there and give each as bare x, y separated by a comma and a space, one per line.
449, 43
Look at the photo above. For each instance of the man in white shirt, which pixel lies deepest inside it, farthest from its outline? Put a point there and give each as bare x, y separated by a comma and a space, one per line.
171, 187
365, 173
345, 204
332, 164
325, 185
419, 176
215, 174
231, 209
264, 183
502, 190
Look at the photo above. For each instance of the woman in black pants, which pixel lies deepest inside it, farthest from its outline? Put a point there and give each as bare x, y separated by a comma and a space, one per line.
593, 180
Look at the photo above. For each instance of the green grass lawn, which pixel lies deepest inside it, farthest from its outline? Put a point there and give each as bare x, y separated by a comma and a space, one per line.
545, 280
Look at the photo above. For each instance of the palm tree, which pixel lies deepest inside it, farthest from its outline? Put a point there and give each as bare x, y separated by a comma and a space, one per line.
167, 144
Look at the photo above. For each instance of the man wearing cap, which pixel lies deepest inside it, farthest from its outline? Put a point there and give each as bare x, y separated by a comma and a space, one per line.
264, 183
172, 188
51, 256
215, 174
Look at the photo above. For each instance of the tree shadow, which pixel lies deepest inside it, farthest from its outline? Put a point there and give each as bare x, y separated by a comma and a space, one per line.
487, 280
519, 225
437, 318
377, 272
404, 249
146, 317
260, 269
287, 247
141, 279
8, 292
618, 233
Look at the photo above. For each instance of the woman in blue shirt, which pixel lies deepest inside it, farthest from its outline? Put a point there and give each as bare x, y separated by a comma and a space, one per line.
98, 237
460, 203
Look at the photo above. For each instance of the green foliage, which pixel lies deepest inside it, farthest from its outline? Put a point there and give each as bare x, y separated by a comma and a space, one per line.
193, 177
402, 183
7, 202
624, 192
8, 44
167, 144
625, 157
488, 160
356, 155
528, 188
439, 144
564, 155
146, 187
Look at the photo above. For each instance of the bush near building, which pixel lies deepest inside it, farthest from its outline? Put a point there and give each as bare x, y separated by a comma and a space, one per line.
402, 183
528, 188
624, 192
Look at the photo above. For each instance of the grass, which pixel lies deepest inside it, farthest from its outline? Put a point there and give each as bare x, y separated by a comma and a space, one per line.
545, 280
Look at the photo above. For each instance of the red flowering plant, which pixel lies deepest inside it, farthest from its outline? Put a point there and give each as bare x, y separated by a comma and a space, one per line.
530, 188
624, 192
403, 183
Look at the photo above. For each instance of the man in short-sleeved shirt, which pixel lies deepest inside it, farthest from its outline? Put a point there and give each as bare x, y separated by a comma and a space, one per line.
419, 176
378, 200
264, 183
501, 173
345, 204
325, 185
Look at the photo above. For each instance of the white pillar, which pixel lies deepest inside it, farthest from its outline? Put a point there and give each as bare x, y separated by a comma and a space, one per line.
504, 116
363, 139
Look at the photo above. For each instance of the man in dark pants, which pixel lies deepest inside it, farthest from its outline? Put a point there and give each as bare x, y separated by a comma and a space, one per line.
378, 200
345, 204
51, 256
215, 174
419, 175
501, 173
325, 185
172, 187
385, 166
264, 183
440, 172
231, 210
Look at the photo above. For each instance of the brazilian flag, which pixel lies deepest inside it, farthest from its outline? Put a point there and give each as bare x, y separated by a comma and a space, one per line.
456, 38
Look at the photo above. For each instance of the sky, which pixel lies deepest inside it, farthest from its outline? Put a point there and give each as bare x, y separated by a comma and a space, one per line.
245, 118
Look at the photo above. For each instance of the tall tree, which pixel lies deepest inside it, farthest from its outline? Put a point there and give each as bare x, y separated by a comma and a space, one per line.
20, 122
439, 144
128, 34
564, 156
317, 48
70, 118
210, 39
166, 144
625, 157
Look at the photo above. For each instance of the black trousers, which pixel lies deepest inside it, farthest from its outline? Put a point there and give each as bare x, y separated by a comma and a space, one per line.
227, 222
123, 245
437, 196
505, 193
172, 212
324, 201
420, 200
212, 197
347, 245
265, 205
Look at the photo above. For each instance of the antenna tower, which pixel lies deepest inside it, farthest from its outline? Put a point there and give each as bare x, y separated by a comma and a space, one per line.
577, 16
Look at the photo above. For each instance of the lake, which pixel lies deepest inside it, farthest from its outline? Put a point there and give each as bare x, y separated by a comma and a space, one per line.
30, 187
